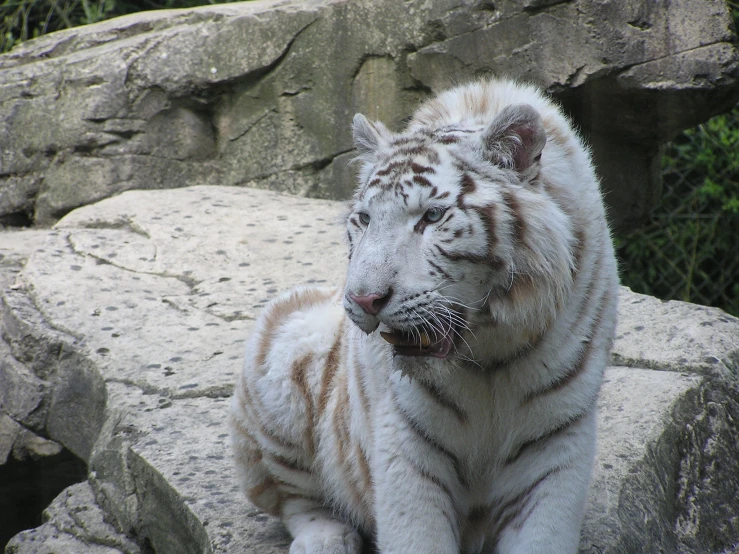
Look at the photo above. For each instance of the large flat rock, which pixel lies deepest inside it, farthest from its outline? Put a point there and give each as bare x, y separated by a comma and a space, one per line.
132, 313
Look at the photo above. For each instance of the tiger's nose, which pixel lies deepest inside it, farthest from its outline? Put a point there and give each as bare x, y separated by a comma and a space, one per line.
372, 303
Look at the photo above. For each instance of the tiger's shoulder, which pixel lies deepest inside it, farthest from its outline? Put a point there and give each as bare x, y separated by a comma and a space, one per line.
294, 323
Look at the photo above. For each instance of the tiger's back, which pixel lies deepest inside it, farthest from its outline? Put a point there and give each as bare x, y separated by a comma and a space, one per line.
444, 400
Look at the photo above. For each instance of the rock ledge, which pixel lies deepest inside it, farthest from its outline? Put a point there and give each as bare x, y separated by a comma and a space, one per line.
131, 315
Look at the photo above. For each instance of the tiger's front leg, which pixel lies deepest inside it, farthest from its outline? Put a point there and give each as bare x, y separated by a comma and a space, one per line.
317, 531
415, 486
542, 496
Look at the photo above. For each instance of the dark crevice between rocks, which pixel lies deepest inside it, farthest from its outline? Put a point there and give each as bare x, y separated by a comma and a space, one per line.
533, 7
28, 486
16, 220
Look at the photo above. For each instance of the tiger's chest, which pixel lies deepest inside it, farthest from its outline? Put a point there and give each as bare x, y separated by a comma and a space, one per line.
473, 415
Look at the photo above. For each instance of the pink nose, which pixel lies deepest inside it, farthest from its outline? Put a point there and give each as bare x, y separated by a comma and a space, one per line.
372, 303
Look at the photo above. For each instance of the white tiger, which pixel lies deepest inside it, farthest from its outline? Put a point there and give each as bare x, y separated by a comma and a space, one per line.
444, 401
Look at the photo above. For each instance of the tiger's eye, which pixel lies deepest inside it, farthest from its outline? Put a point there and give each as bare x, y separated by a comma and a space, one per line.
433, 215
364, 218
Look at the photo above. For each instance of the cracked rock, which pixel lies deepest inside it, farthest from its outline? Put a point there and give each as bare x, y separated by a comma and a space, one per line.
139, 353
73, 524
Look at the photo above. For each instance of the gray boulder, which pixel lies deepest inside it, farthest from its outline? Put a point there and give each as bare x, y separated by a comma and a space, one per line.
132, 314
73, 524
261, 94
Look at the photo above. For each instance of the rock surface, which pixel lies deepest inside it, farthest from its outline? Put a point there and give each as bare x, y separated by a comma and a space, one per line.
73, 523
262, 93
132, 314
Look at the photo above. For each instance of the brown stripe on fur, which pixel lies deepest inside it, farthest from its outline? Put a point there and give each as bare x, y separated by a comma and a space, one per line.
487, 217
459, 201
343, 437
468, 184
422, 181
441, 196
442, 399
420, 226
389, 168
433, 443
448, 139
287, 463
255, 493
254, 402
555, 135
367, 489
519, 223
299, 377
401, 141
409, 151
418, 168
462, 165
329, 370
286, 497
523, 286
278, 311
363, 399
261, 488
433, 156
244, 432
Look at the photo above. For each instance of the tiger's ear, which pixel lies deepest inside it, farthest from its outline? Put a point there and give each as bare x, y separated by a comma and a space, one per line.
515, 138
369, 136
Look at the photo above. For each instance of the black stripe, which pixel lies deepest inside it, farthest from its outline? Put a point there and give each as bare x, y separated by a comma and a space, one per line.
441, 271
581, 361
442, 399
286, 463
433, 443
541, 439
509, 511
472, 258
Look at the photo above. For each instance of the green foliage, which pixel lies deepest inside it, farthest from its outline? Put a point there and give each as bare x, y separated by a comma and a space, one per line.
689, 250
21, 20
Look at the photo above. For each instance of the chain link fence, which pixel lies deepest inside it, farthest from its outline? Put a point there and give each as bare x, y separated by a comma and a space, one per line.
690, 248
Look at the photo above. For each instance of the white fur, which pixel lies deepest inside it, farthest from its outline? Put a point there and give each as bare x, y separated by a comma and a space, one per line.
490, 448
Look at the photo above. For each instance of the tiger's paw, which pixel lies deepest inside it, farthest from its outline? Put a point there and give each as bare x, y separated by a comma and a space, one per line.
327, 537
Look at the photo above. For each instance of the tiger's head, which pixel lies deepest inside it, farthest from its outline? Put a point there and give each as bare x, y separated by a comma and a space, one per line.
454, 242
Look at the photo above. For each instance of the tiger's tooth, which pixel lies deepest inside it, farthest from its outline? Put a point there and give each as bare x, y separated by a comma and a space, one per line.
392, 338
425, 340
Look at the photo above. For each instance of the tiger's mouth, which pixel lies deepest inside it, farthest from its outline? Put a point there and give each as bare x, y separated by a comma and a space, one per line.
420, 341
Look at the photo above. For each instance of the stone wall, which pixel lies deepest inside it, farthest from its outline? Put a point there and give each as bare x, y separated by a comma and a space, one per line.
262, 93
